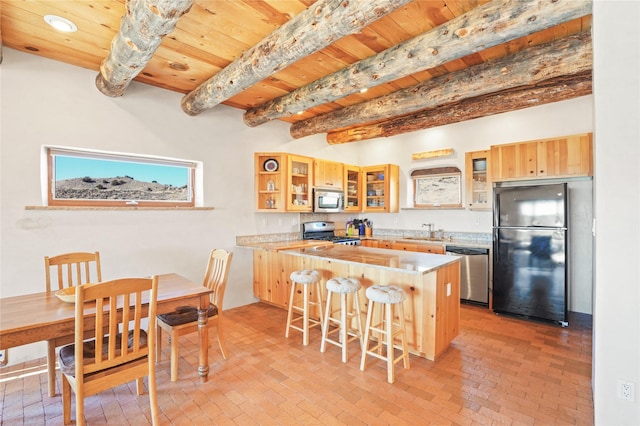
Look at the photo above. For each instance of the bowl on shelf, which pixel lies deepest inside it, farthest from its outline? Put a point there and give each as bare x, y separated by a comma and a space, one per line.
379, 192
380, 176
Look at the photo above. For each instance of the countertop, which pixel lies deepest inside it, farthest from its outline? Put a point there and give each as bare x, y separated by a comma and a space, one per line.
404, 261
285, 245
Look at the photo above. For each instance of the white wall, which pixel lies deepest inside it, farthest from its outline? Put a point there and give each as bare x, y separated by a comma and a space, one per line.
617, 191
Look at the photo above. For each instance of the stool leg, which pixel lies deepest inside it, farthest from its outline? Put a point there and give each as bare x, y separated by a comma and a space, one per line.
388, 313
290, 314
356, 302
325, 323
405, 347
319, 299
365, 343
305, 317
344, 337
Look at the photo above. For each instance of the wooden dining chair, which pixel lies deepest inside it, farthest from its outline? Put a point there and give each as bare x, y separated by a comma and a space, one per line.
121, 354
185, 319
63, 271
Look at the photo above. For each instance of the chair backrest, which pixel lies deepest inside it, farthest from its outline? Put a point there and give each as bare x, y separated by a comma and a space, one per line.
216, 276
72, 269
110, 319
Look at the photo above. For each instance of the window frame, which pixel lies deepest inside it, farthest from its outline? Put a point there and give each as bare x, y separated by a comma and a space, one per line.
194, 185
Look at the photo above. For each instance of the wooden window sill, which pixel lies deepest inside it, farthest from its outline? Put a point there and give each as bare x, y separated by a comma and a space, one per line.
115, 208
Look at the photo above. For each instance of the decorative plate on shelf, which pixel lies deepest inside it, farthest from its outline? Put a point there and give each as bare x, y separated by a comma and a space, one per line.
271, 165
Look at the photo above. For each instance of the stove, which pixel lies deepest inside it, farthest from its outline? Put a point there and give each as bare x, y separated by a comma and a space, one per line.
325, 231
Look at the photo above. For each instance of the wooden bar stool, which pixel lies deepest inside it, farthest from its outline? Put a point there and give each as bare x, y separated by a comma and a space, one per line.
389, 296
304, 278
343, 287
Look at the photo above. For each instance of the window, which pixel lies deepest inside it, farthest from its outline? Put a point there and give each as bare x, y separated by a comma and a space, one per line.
437, 187
76, 177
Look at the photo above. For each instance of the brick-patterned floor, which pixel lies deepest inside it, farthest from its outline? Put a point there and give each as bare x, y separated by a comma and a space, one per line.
499, 370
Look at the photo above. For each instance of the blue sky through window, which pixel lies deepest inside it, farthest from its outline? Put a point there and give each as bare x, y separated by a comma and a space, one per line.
78, 167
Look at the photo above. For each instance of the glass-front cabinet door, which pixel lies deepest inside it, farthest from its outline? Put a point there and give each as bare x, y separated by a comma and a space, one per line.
352, 182
299, 183
478, 186
381, 188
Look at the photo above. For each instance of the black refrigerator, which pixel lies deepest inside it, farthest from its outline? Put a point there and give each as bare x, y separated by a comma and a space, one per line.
530, 252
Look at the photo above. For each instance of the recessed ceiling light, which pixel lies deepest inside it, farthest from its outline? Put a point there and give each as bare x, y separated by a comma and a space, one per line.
363, 90
60, 23
300, 112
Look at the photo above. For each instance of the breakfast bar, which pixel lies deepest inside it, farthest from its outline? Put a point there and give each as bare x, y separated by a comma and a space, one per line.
432, 283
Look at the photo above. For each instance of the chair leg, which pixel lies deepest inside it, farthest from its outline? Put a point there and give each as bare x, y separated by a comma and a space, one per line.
223, 348
66, 400
153, 395
51, 367
158, 343
79, 404
174, 357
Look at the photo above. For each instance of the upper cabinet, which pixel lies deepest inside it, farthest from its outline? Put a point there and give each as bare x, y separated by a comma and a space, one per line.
353, 188
327, 174
299, 183
567, 156
270, 181
283, 182
478, 180
380, 188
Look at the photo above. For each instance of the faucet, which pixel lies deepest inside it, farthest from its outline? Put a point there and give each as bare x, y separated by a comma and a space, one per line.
429, 227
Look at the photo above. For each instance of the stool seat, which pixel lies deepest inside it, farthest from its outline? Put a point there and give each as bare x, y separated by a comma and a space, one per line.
343, 285
386, 294
305, 276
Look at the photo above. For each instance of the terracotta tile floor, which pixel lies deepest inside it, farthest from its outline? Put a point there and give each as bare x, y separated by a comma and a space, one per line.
499, 370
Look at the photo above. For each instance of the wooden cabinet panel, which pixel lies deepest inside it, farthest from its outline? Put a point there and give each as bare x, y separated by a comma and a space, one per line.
431, 248
381, 188
327, 174
400, 245
299, 183
353, 188
478, 188
566, 156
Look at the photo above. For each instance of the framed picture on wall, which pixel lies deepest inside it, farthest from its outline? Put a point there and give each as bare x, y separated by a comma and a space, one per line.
437, 188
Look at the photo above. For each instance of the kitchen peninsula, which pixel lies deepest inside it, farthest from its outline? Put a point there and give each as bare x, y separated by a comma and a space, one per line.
432, 283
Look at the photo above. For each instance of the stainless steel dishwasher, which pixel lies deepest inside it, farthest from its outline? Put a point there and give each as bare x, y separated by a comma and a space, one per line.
474, 273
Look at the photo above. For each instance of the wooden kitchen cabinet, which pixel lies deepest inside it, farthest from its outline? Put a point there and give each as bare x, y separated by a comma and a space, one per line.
353, 188
270, 181
380, 188
478, 188
431, 248
299, 183
567, 156
327, 174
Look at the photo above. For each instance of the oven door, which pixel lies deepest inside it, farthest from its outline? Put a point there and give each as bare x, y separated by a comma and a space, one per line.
328, 201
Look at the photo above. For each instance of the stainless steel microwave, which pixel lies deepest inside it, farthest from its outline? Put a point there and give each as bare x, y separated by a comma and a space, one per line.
328, 200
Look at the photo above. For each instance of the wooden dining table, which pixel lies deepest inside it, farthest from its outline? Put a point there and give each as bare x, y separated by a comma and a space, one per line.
43, 316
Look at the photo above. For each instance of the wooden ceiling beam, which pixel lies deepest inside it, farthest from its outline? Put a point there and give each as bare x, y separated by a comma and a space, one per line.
566, 56
489, 25
141, 31
553, 90
317, 27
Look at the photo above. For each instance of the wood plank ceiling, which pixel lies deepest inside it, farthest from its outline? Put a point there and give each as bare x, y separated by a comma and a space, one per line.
423, 63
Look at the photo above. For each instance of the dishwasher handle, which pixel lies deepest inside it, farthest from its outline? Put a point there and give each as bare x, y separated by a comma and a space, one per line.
467, 251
